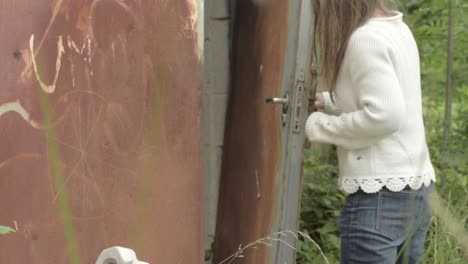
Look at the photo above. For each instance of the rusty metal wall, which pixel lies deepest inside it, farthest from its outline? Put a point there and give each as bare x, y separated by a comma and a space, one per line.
99, 130
253, 140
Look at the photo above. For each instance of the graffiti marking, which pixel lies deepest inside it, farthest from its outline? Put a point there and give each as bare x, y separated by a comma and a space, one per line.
19, 156
19, 109
60, 51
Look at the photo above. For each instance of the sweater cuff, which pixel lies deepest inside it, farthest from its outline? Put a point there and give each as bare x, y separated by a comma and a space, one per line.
327, 102
328, 106
311, 125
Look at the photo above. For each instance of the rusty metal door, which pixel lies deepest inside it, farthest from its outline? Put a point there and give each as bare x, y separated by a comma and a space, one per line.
99, 130
262, 165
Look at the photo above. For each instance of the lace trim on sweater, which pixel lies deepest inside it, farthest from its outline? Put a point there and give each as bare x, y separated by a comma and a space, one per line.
394, 184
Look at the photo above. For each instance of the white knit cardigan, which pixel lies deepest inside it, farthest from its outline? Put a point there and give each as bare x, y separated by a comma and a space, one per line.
376, 120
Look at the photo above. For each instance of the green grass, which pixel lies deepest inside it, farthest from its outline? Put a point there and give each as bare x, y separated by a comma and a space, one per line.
6, 230
447, 239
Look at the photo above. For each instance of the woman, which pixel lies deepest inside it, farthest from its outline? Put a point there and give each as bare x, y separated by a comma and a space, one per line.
369, 60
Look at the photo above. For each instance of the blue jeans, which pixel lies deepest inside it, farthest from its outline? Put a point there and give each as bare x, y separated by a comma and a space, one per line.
385, 227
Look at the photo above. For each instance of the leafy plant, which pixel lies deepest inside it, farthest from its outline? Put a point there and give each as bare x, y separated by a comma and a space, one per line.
320, 209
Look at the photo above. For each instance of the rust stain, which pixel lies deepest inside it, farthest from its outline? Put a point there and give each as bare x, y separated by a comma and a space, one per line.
83, 16
64, 8
122, 6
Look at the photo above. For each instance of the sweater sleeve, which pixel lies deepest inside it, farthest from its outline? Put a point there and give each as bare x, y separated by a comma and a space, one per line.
381, 108
330, 107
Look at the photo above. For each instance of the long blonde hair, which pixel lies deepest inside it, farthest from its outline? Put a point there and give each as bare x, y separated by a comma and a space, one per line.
335, 21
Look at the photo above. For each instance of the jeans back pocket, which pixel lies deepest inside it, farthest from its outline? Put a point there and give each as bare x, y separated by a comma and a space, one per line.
396, 212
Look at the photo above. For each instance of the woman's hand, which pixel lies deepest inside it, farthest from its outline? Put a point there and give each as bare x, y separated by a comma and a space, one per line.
319, 103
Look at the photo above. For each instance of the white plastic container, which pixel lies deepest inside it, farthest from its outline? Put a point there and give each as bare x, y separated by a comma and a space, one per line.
118, 255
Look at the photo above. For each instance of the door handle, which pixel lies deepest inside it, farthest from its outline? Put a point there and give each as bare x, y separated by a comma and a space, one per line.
282, 101
275, 100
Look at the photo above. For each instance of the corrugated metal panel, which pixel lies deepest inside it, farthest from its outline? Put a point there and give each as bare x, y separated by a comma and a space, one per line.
100, 141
